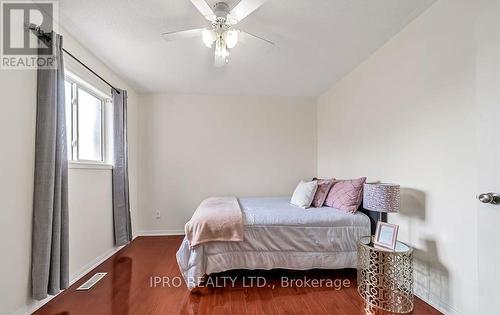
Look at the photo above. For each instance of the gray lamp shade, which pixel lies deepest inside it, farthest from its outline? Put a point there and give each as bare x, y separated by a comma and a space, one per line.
381, 197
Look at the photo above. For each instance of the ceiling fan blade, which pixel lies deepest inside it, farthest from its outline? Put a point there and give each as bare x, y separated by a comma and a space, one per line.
244, 8
246, 37
204, 9
171, 36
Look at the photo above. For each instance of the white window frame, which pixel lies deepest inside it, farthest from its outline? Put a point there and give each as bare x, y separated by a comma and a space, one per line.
74, 160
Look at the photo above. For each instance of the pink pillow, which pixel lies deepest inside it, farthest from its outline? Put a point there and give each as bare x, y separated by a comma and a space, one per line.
346, 195
324, 186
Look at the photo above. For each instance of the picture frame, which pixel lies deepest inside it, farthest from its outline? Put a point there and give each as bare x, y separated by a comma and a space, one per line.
386, 235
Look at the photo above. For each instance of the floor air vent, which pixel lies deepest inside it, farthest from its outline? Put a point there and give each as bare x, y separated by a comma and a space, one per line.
90, 283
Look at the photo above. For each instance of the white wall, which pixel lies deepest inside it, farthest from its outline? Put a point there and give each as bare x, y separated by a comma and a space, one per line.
193, 147
91, 218
89, 190
17, 130
407, 115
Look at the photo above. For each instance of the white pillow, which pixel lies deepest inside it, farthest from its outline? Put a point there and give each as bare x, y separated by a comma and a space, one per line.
304, 194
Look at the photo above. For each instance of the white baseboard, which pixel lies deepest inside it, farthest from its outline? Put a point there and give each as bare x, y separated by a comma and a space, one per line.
94, 263
438, 304
158, 232
34, 305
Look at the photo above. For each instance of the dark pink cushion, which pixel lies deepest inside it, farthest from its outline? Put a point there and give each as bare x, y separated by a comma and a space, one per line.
346, 195
324, 186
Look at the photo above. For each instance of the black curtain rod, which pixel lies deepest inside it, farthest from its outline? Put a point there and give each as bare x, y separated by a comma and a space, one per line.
38, 32
93, 72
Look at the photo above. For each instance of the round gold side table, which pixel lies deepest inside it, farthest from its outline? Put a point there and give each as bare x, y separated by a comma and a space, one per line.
385, 277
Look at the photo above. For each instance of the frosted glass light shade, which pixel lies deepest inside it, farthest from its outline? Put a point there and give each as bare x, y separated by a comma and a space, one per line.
221, 49
221, 53
208, 37
231, 38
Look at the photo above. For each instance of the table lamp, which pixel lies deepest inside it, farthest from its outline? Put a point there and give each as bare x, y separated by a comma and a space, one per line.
381, 197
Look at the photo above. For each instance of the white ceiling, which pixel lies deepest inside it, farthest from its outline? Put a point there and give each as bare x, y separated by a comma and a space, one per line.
317, 43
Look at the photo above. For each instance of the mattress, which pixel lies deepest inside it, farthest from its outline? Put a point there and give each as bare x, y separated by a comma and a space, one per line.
279, 235
278, 211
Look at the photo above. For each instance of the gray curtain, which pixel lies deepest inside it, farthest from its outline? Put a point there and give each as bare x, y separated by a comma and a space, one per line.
50, 248
121, 203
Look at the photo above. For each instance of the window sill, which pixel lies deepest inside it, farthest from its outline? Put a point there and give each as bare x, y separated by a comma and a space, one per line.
89, 165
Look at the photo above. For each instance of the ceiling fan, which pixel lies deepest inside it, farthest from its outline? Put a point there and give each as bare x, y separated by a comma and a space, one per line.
222, 32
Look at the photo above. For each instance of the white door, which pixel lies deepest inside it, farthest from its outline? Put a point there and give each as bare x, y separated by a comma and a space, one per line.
488, 121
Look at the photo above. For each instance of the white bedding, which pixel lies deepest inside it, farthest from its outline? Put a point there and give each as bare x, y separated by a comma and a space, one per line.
279, 235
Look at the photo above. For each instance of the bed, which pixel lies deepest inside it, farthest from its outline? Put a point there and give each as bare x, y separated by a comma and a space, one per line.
280, 235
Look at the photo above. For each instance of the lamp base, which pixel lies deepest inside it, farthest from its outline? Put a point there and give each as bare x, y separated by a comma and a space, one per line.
382, 217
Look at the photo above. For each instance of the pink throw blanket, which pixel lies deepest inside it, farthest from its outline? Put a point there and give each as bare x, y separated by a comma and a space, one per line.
217, 219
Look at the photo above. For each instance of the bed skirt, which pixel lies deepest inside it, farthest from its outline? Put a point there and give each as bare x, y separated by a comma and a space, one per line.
195, 263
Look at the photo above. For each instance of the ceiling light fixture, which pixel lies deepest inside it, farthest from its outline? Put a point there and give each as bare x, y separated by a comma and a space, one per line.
222, 32
225, 38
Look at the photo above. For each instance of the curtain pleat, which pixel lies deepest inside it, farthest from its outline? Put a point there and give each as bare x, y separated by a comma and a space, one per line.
50, 245
121, 201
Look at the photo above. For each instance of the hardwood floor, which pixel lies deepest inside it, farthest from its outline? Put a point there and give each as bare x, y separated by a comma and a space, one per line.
129, 288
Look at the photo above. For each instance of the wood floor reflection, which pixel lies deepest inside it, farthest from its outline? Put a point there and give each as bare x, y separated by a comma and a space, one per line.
130, 287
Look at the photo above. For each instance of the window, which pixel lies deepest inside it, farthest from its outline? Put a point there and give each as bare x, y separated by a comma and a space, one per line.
85, 123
